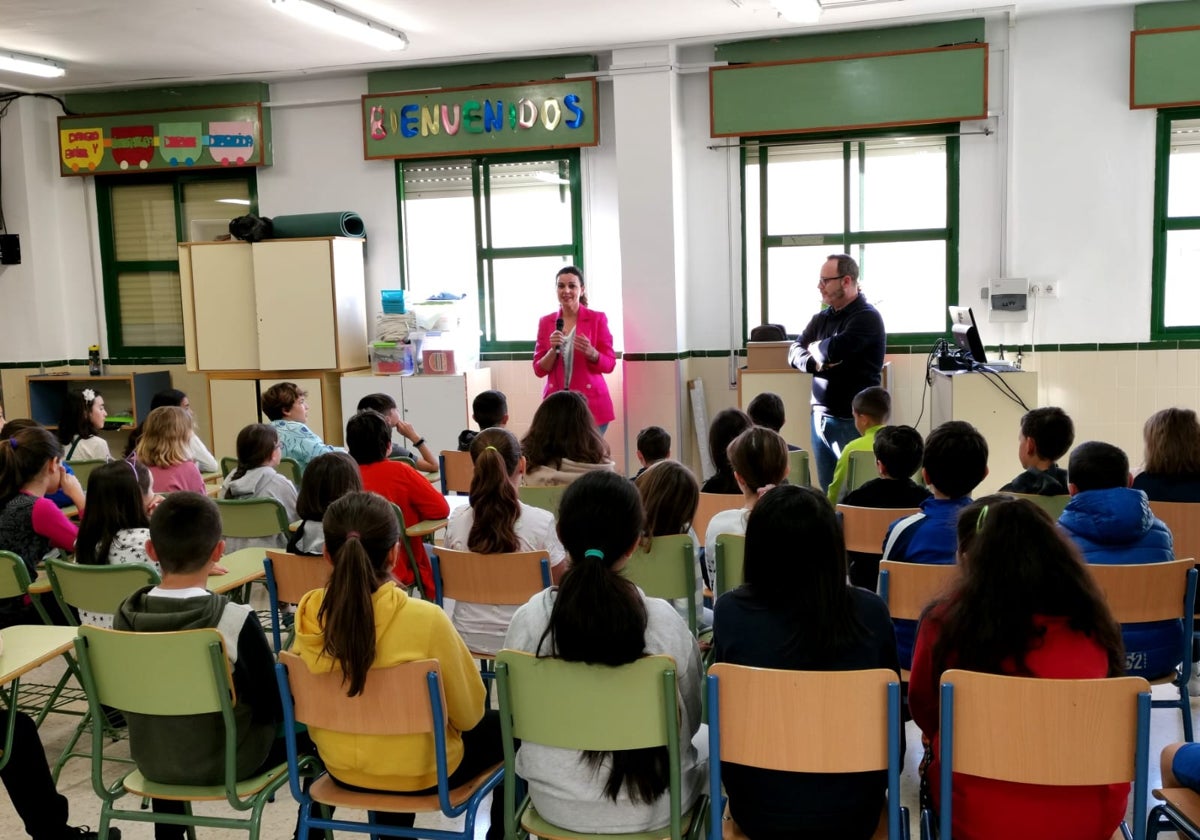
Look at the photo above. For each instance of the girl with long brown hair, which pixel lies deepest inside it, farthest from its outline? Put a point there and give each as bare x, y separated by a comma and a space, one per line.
165, 449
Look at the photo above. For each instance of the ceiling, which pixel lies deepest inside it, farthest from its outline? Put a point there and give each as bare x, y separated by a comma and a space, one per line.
144, 43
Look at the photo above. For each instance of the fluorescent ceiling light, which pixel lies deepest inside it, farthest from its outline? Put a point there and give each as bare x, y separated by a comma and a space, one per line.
244, 201
32, 65
798, 11
342, 22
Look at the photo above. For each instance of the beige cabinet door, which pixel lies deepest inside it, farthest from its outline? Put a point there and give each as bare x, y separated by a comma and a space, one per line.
234, 404
293, 290
223, 303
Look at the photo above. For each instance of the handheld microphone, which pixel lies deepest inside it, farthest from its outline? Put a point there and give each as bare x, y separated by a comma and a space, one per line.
558, 325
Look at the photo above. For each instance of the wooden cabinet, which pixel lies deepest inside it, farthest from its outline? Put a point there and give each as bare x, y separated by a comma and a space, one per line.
279, 305
794, 388
439, 407
126, 395
235, 401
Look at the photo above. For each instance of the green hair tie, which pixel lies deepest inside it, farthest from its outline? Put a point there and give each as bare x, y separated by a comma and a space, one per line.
594, 552
494, 449
983, 512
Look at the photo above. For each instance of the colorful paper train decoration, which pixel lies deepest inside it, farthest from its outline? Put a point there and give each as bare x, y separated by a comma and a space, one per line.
178, 144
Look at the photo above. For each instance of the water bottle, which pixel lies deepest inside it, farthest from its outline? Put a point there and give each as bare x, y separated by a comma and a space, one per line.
94, 360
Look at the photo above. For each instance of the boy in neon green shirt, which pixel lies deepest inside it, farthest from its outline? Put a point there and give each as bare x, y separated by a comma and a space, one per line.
871, 408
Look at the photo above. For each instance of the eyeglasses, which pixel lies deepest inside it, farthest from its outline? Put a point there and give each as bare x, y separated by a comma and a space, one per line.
824, 280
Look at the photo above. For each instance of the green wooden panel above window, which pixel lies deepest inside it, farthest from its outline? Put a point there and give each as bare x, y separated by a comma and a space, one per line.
854, 42
1166, 15
1166, 68
484, 73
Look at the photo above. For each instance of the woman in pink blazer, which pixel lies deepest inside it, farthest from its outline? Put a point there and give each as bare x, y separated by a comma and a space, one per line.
574, 348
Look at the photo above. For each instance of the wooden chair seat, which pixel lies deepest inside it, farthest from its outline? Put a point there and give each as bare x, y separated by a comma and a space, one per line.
328, 792
533, 822
139, 785
1181, 808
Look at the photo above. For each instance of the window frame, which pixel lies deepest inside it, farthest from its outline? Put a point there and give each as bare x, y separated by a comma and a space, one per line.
111, 268
485, 255
845, 240
1163, 224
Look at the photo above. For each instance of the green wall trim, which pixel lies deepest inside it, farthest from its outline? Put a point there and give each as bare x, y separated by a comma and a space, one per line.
157, 99
854, 42
1164, 67
484, 73
1166, 15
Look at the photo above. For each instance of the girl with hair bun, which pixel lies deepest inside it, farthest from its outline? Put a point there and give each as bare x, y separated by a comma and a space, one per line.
498, 522
596, 615
362, 620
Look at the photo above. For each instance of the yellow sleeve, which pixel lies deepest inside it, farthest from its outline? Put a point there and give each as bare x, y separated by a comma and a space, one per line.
461, 683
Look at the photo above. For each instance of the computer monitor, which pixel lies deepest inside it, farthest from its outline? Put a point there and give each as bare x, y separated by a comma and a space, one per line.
966, 334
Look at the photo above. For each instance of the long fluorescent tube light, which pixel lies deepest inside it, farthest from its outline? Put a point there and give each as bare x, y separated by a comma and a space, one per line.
798, 11
30, 64
342, 22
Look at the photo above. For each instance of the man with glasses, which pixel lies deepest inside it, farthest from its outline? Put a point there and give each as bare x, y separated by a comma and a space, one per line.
842, 347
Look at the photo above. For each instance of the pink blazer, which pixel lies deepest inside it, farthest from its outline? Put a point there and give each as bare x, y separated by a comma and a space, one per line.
586, 377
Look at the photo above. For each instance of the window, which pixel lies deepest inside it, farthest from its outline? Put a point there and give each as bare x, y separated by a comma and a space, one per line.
890, 202
142, 221
498, 228
1175, 297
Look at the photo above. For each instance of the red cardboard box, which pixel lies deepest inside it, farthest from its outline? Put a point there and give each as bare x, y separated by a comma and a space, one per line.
438, 362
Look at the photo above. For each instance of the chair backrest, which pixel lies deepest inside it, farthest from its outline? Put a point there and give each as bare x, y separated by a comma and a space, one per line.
252, 517
457, 470
1053, 505
1183, 518
404, 459
296, 574
14, 576
666, 569
908, 588
798, 468
731, 563
289, 468
83, 469
864, 528
505, 579
1146, 592
709, 506
228, 465
99, 589
860, 469
546, 498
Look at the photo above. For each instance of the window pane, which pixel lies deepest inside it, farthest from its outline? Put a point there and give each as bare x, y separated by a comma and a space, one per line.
792, 294
209, 205
524, 291
906, 282
144, 222
1181, 303
902, 185
530, 203
439, 229
1183, 195
151, 312
804, 189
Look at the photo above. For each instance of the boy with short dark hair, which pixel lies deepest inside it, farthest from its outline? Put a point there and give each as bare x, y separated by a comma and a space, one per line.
1046, 435
898, 453
767, 410
653, 445
1113, 524
955, 462
422, 456
871, 408
286, 406
185, 540
488, 409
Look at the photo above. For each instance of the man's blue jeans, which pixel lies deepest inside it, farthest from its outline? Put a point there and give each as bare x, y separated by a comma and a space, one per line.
829, 435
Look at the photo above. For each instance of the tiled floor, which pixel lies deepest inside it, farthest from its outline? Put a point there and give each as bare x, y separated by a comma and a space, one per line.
280, 818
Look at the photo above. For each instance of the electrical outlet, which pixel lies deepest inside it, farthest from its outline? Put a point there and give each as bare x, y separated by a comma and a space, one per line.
1049, 289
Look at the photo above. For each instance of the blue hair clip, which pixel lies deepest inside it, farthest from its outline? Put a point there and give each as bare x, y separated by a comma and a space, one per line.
12, 441
594, 552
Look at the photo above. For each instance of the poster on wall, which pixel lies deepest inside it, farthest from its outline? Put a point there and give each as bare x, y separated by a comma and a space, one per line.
163, 141
480, 120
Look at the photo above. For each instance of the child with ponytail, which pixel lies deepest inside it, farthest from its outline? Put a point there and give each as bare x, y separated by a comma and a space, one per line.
759, 458
596, 615
258, 453
363, 620
497, 522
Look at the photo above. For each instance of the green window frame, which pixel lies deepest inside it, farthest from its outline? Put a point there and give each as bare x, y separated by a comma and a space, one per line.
112, 268
1174, 293
489, 256
854, 237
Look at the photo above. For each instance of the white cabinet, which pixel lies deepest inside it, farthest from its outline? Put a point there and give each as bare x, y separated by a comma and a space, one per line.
439, 407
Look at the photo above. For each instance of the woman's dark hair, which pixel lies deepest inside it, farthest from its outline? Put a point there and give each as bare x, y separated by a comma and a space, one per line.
360, 532
74, 420
728, 424
670, 495
495, 507
760, 456
327, 478
22, 456
570, 269
796, 563
368, 437
171, 396
563, 427
116, 501
256, 445
598, 616
1016, 565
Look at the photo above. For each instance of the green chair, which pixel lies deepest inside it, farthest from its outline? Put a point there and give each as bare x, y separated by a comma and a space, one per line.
289, 468
860, 469
404, 459
731, 560
83, 469
546, 498
171, 675
666, 568
1053, 505
798, 468
252, 518
576, 706
228, 465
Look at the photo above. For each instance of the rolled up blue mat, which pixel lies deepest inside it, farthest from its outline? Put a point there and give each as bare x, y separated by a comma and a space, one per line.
342, 223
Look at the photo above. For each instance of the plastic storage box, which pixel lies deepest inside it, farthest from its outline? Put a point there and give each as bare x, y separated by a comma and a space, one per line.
390, 357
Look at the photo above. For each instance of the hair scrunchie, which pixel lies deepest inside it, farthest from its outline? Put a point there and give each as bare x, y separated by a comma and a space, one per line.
763, 490
350, 534
494, 449
594, 552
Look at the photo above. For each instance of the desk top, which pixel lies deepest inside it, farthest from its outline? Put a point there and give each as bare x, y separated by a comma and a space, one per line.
26, 646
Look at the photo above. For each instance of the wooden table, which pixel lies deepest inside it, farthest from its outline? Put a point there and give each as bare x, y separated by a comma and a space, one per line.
25, 647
